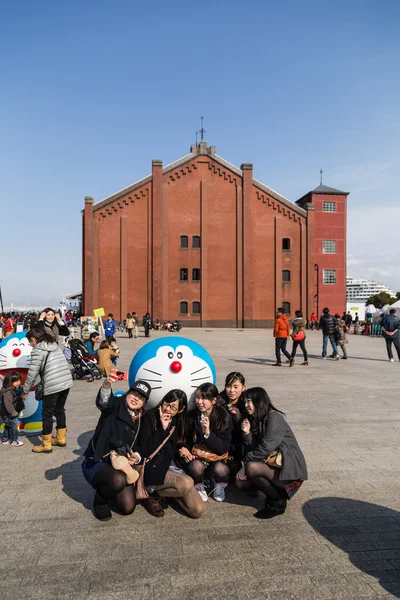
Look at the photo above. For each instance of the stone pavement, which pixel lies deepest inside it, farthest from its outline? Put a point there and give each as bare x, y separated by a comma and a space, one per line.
340, 537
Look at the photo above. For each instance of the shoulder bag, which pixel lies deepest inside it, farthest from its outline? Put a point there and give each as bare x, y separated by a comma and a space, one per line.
204, 453
39, 392
299, 336
141, 491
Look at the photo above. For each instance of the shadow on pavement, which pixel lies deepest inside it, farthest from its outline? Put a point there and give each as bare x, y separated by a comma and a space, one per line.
74, 484
368, 533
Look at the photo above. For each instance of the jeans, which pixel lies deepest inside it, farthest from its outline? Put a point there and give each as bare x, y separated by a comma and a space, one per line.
302, 345
280, 346
392, 340
54, 405
332, 340
10, 428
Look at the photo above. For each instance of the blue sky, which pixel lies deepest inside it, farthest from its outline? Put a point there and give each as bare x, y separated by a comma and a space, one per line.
91, 92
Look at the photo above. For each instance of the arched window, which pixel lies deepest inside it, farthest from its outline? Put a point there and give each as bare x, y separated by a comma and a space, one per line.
184, 241
196, 274
286, 244
286, 276
196, 308
184, 274
183, 308
286, 307
196, 241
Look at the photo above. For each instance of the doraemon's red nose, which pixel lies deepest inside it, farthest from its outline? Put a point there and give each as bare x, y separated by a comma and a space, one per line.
176, 366
16, 352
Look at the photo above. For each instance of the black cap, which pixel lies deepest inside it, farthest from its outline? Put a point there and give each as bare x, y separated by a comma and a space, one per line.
142, 387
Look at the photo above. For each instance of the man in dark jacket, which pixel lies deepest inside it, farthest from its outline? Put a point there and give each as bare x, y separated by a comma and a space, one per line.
390, 328
328, 325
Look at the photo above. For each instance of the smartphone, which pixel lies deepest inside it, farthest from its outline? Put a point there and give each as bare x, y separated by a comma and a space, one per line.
119, 375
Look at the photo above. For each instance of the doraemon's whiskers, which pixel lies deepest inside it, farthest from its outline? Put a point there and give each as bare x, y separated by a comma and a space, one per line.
150, 371
157, 380
199, 378
198, 371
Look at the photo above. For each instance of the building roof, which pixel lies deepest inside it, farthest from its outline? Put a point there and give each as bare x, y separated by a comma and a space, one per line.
325, 189
210, 152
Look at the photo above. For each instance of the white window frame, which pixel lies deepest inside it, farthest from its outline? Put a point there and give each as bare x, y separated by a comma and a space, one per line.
329, 276
328, 206
329, 246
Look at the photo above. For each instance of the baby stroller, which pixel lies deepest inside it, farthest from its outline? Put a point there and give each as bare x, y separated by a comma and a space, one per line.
83, 366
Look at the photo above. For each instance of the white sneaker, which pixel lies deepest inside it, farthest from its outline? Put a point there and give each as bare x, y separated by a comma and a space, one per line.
17, 443
392, 360
337, 357
219, 493
202, 493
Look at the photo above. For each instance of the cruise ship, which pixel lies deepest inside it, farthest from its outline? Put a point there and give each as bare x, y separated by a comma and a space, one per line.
362, 289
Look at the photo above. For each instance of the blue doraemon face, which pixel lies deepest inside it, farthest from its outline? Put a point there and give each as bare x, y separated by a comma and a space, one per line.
15, 355
168, 364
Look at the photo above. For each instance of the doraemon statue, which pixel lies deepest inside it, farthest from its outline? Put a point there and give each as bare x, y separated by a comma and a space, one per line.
167, 364
15, 355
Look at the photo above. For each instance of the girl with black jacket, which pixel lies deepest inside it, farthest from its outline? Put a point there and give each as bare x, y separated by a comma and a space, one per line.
233, 396
209, 426
118, 429
163, 476
52, 323
265, 431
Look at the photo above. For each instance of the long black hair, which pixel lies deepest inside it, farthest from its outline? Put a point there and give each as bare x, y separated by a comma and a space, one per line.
219, 415
262, 404
39, 335
179, 419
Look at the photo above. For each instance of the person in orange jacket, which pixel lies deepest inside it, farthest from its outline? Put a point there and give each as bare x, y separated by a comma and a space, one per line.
281, 335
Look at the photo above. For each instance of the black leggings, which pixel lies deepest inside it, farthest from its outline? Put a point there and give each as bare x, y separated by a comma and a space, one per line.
302, 345
217, 471
111, 484
263, 478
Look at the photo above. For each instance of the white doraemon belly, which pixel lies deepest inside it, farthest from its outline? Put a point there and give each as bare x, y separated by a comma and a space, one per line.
174, 369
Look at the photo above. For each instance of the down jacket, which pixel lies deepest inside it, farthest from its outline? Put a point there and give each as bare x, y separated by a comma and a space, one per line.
56, 377
328, 324
281, 327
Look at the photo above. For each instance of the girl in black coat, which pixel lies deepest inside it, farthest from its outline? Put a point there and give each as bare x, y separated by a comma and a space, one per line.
264, 431
52, 324
233, 396
209, 425
118, 429
163, 476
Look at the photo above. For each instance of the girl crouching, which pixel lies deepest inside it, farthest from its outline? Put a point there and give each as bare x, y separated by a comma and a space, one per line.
278, 476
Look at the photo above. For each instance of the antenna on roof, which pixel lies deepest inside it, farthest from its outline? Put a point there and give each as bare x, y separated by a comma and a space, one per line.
202, 130
197, 133
320, 177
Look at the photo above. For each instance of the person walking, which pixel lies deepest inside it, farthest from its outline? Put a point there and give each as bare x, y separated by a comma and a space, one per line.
313, 321
348, 320
48, 361
135, 323
390, 329
130, 323
328, 325
342, 329
299, 338
281, 335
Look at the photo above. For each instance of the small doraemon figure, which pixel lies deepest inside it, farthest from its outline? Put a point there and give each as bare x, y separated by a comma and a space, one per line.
167, 364
15, 355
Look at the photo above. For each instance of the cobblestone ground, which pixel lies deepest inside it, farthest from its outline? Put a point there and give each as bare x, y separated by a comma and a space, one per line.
340, 537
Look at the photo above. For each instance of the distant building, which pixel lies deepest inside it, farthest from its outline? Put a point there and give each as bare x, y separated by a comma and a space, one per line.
203, 241
362, 289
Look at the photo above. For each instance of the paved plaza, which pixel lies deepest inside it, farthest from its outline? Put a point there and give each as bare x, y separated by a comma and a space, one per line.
340, 537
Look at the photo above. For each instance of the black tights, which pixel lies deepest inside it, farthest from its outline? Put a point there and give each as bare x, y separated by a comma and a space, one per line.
111, 484
264, 478
217, 471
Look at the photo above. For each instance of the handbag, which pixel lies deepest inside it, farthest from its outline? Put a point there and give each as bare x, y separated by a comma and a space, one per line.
202, 451
274, 459
39, 391
299, 336
141, 490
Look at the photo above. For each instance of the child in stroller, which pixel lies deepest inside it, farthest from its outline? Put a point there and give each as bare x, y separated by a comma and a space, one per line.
83, 366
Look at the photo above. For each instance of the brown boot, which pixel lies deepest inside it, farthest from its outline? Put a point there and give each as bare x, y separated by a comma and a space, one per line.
153, 505
61, 437
45, 446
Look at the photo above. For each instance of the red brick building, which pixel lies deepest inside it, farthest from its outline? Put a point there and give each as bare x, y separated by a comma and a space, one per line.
203, 241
